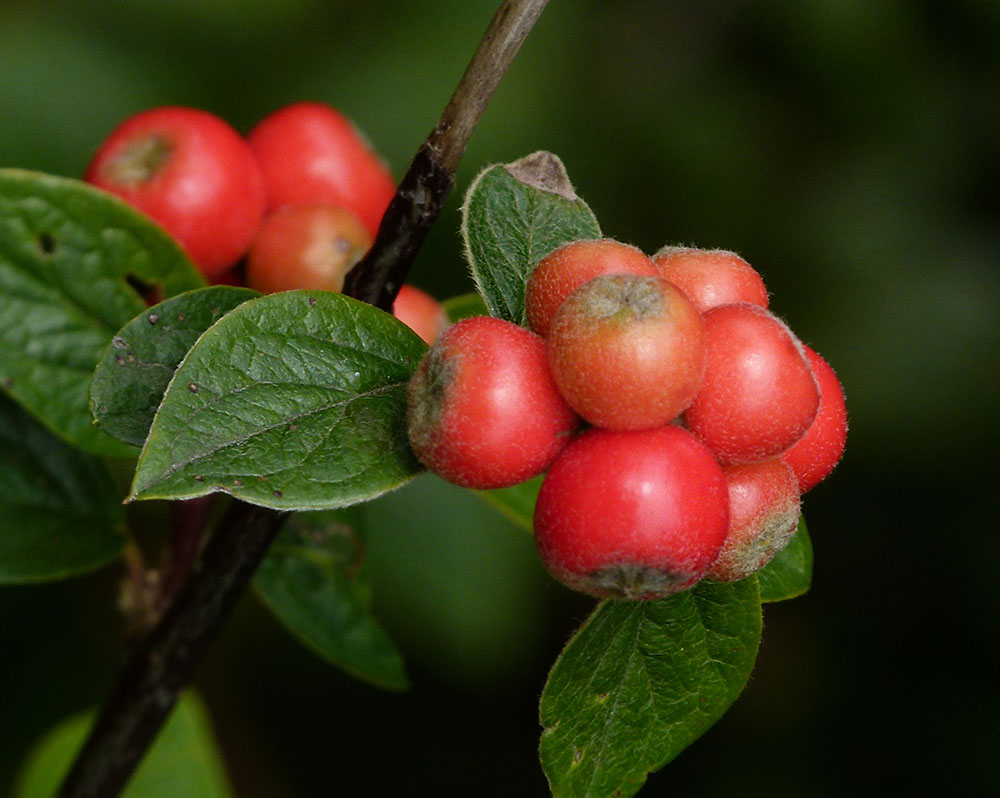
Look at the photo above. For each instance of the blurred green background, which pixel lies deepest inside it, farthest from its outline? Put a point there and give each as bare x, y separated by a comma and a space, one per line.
849, 149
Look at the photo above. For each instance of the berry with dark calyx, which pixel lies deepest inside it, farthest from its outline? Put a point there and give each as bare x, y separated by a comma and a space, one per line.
814, 456
627, 351
711, 277
565, 269
636, 515
483, 411
763, 515
191, 172
305, 246
758, 395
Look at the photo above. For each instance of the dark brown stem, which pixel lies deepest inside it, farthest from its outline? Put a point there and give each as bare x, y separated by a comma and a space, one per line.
187, 529
165, 661
377, 277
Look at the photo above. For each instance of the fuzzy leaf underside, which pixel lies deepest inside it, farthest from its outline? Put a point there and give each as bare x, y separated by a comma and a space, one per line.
59, 512
640, 681
789, 574
515, 214
293, 401
137, 365
67, 253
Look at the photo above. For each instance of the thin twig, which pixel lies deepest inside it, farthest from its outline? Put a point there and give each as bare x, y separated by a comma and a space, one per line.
377, 277
164, 663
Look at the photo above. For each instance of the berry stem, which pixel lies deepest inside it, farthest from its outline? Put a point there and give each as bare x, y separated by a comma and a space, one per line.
165, 661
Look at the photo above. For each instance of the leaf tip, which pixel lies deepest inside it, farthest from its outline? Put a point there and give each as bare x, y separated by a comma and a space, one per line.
544, 171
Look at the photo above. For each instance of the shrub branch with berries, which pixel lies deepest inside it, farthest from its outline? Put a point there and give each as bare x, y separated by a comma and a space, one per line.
650, 418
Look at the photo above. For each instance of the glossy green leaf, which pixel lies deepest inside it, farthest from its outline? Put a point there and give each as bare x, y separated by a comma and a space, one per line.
183, 761
138, 364
515, 214
294, 401
516, 502
313, 581
59, 512
789, 574
67, 253
465, 306
642, 680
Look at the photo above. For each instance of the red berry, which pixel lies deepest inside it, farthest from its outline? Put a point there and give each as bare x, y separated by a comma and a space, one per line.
421, 312
763, 515
758, 395
483, 411
711, 277
814, 456
563, 270
627, 352
632, 514
192, 173
309, 152
305, 246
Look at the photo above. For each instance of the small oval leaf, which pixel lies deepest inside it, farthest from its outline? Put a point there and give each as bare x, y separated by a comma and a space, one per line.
515, 214
313, 581
789, 574
642, 680
465, 306
293, 401
140, 361
61, 514
69, 255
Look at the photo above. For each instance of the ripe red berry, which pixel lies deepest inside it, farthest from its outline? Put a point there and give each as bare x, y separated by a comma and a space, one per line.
305, 246
632, 514
192, 173
483, 411
565, 269
421, 312
814, 456
626, 351
758, 395
763, 515
711, 277
309, 152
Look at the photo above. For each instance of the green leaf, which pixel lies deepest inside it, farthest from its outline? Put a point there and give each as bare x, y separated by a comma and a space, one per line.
516, 502
515, 214
789, 574
60, 513
294, 401
465, 306
312, 580
67, 252
183, 761
640, 681
139, 362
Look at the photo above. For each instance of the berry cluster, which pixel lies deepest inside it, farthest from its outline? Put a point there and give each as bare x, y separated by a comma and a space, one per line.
703, 417
294, 204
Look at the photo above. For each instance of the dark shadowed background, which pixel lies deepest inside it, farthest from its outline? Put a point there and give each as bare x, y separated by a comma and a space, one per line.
850, 150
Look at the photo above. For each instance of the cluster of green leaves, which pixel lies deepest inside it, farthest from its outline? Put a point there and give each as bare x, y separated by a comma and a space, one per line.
292, 401
297, 401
